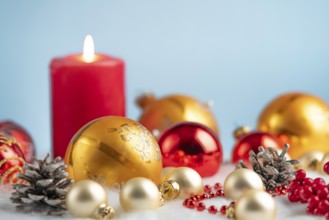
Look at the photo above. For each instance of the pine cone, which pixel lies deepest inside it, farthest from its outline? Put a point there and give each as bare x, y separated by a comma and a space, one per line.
272, 168
45, 189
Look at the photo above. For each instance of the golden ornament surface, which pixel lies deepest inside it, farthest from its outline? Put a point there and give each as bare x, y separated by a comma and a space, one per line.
111, 150
160, 114
169, 190
189, 181
300, 119
241, 180
310, 160
255, 204
139, 194
322, 162
86, 199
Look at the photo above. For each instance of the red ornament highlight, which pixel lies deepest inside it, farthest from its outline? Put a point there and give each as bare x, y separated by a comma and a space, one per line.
14, 131
252, 141
192, 145
11, 161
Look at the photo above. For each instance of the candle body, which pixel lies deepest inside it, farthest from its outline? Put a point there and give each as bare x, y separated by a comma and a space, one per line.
82, 92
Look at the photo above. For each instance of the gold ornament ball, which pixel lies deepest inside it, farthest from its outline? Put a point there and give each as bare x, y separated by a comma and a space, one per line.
322, 162
111, 150
300, 119
241, 180
254, 205
139, 194
189, 181
85, 198
160, 114
310, 160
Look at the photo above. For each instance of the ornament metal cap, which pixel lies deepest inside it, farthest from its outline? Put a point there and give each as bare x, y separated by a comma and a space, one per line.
145, 99
241, 131
104, 212
169, 190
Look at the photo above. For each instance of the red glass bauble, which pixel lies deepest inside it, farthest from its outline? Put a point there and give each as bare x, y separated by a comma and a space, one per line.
11, 160
191, 145
23, 139
252, 141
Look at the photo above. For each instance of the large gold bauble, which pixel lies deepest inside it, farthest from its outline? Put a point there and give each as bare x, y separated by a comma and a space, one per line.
160, 114
241, 180
300, 119
139, 194
85, 198
111, 150
254, 205
189, 181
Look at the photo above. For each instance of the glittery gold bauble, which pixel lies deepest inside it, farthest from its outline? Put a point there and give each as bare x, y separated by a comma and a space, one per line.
310, 160
139, 194
321, 163
169, 190
160, 114
189, 181
111, 150
300, 119
254, 205
240, 181
88, 199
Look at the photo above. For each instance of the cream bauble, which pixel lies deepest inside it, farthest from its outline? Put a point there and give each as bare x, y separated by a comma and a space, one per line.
189, 181
88, 199
255, 205
139, 194
240, 181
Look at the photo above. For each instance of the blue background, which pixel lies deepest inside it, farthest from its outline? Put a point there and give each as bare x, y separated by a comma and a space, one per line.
240, 54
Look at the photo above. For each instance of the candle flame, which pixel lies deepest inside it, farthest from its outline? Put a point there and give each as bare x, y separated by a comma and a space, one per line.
88, 49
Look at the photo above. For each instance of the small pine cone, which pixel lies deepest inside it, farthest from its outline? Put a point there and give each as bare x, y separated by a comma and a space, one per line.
272, 167
45, 187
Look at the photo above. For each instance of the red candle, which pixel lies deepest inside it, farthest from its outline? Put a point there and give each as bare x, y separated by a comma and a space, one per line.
84, 87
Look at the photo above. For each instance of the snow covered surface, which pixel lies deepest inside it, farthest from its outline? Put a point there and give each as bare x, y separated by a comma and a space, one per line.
172, 210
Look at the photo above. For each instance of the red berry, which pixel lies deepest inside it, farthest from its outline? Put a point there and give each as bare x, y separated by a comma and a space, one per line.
324, 205
212, 195
322, 192
205, 196
326, 168
310, 210
319, 181
212, 209
223, 210
306, 193
293, 197
207, 188
300, 174
200, 206
217, 186
220, 192
308, 181
190, 204
313, 201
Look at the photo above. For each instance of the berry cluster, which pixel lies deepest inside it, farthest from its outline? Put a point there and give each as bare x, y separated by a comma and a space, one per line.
314, 192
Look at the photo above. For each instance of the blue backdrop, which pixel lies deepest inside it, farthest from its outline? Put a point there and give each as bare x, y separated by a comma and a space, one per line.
240, 54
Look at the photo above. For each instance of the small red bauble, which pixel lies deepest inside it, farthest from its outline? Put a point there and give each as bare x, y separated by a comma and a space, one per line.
23, 139
11, 160
252, 141
191, 145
